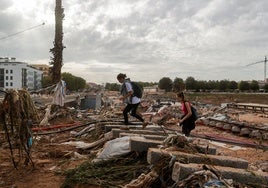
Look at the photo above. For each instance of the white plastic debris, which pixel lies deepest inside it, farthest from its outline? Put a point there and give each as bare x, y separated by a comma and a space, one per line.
220, 117
77, 144
115, 147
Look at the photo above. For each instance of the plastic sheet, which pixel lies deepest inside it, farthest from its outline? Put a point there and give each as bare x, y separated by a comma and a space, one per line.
112, 148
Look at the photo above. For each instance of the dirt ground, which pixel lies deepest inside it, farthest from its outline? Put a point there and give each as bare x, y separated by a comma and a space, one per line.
51, 158
48, 158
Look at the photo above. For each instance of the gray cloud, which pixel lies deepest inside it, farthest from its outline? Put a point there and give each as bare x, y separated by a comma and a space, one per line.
5, 4
145, 39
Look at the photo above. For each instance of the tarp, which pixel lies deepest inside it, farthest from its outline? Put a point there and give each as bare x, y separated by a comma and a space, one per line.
115, 147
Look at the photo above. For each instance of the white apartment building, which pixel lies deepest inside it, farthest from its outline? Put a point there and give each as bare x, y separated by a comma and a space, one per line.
18, 75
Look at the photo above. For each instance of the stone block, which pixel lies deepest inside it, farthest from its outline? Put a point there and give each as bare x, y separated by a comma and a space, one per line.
255, 134
155, 155
219, 125
236, 129
138, 127
205, 149
182, 171
245, 131
212, 123
227, 127
142, 144
151, 137
265, 136
116, 132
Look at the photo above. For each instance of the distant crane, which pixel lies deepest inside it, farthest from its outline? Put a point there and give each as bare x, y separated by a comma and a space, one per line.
265, 61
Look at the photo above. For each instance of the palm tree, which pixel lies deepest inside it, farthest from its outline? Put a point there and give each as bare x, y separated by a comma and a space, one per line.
56, 60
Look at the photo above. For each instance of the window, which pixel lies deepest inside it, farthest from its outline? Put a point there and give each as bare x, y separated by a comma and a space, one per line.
11, 83
11, 71
2, 76
6, 77
6, 71
24, 77
6, 83
11, 77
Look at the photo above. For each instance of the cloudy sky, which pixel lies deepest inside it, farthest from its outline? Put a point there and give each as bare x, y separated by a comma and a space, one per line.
145, 39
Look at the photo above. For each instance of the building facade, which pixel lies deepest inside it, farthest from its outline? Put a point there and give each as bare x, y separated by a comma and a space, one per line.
43, 67
18, 75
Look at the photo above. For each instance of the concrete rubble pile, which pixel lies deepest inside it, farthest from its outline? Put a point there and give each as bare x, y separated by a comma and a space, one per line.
193, 161
175, 160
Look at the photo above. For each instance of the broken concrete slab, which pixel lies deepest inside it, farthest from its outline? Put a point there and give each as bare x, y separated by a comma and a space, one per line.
116, 132
206, 149
151, 137
182, 171
138, 127
141, 144
144, 144
203, 146
155, 155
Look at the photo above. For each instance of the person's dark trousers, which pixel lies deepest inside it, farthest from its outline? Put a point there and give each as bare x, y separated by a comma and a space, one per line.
188, 125
133, 109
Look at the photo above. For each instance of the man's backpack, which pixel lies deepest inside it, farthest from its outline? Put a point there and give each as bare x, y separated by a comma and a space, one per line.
137, 89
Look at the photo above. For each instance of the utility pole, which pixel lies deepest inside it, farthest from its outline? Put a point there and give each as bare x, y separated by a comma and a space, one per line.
265, 62
56, 60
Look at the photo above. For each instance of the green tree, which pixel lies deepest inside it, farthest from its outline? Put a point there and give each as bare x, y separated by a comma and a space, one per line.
201, 85
211, 84
254, 85
116, 86
265, 87
47, 81
190, 83
73, 83
233, 85
223, 85
165, 83
80, 83
147, 84
178, 85
112, 86
244, 86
